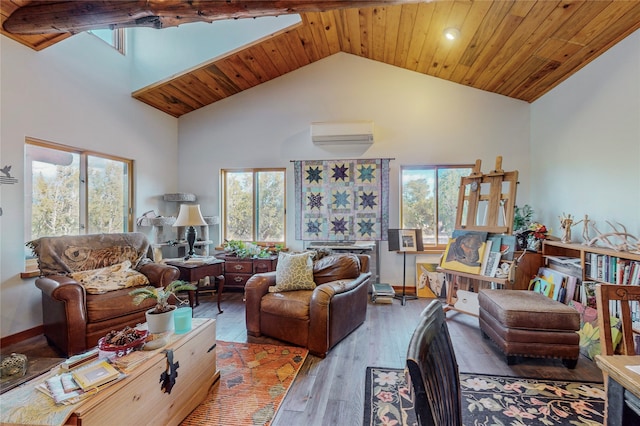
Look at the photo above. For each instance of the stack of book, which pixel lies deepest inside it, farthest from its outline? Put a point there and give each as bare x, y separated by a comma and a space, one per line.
130, 361
382, 293
73, 385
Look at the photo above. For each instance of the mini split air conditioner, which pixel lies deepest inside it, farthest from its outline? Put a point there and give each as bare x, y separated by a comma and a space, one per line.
342, 133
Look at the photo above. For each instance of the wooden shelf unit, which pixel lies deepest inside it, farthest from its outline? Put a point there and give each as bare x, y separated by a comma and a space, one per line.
525, 269
581, 251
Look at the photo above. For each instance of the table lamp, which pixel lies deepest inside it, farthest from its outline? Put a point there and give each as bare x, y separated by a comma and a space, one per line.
190, 216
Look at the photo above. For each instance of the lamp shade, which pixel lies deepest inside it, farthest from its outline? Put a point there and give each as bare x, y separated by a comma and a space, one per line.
190, 215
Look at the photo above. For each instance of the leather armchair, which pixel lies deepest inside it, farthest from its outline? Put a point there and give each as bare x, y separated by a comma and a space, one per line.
75, 320
316, 319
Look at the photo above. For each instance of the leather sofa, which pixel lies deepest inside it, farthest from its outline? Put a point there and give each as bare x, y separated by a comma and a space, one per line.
316, 319
75, 320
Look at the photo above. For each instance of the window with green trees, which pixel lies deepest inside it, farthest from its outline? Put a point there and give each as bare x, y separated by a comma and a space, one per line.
69, 191
429, 200
254, 205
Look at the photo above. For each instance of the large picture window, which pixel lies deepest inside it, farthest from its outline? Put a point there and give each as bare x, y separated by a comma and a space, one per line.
254, 205
429, 200
69, 191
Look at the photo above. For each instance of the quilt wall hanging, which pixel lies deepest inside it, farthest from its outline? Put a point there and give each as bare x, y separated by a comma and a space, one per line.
342, 199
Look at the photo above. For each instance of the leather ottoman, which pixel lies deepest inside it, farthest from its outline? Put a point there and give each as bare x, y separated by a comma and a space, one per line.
524, 323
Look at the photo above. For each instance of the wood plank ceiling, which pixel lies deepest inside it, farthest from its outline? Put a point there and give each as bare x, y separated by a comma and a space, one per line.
520, 49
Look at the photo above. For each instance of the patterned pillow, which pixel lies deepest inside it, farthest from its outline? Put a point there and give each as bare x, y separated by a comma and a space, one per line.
294, 272
114, 277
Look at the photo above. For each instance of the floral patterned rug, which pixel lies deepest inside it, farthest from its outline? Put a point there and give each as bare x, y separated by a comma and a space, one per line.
489, 400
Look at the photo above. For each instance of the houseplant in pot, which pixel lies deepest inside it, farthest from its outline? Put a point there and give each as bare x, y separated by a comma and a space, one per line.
160, 317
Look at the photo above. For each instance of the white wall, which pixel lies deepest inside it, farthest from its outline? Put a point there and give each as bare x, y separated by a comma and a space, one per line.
418, 120
585, 139
74, 93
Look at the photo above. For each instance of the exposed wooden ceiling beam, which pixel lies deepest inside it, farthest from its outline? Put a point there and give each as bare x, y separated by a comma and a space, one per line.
76, 16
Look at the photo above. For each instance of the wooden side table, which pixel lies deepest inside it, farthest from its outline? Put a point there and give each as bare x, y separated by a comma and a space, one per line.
193, 272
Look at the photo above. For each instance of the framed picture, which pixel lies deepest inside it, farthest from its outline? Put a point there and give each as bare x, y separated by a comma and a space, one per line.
429, 282
405, 240
408, 240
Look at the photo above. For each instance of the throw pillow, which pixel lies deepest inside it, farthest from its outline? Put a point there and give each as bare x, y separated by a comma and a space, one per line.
109, 278
294, 272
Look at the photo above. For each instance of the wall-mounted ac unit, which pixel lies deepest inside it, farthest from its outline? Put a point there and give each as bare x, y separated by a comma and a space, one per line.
342, 133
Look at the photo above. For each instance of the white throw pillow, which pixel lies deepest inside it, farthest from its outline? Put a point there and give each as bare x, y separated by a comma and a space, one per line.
294, 272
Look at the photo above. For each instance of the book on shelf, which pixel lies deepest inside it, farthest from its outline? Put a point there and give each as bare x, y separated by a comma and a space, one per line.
558, 279
485, 257
465, 252
508, 246
493, 263
94, 375
383, 300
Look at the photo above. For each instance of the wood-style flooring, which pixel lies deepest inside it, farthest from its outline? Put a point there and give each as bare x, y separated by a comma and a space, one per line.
330, 391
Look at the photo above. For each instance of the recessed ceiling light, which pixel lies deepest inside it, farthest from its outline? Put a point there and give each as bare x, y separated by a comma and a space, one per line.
452, 33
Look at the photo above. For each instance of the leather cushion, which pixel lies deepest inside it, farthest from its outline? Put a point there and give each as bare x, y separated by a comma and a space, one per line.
528, 310
117, 303
518, 335
342, 266
292, 304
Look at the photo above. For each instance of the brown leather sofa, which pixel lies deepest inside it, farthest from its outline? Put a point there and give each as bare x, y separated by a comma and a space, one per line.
316, 319
75, 320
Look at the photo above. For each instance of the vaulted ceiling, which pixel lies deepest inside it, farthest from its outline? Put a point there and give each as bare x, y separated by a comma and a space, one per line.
520, 48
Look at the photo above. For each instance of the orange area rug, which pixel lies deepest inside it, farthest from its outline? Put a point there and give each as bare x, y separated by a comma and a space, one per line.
254, 379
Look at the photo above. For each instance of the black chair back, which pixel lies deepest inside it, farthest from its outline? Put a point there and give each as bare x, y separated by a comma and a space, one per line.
433, 370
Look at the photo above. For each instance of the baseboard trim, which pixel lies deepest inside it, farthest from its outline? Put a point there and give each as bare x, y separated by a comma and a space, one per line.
23, 335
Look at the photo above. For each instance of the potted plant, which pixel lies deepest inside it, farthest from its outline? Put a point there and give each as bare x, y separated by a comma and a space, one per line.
160, 317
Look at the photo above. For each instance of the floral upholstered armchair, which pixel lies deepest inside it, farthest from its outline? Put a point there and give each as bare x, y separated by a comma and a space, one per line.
85, 282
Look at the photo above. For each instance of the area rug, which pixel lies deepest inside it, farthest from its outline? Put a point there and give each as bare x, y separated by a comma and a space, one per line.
489, 400
254, 379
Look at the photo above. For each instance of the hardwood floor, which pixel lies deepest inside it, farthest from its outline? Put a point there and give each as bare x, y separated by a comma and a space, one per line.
331, 390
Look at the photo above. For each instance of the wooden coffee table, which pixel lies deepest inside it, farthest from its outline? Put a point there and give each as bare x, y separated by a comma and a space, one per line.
139, 399
136, 399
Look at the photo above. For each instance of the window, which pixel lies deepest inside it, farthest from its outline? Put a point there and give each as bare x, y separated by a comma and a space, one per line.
429, 200
69, 191
113, 38
254, 205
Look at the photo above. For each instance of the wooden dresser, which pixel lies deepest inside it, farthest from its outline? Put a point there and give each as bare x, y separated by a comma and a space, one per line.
238, 270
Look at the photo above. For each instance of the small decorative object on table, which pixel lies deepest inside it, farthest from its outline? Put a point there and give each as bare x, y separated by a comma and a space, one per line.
122, 342
566, 222
537, 233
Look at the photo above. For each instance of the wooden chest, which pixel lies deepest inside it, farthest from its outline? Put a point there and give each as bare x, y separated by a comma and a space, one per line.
138, 399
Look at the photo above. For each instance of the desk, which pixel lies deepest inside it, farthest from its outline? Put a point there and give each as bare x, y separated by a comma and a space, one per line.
623, 388
193, 272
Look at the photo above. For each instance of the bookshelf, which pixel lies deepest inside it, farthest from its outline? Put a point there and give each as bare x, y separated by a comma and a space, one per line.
586, 255
523, 269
